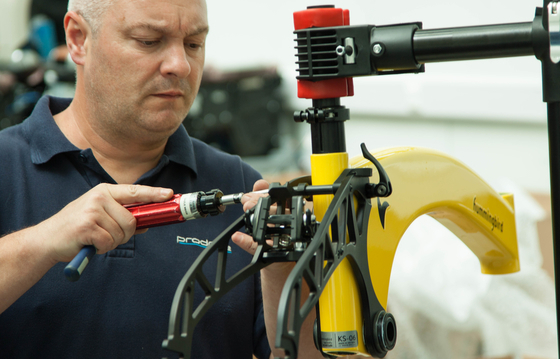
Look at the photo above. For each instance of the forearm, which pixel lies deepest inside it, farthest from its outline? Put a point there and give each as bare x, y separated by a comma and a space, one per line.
271, 277
23, 261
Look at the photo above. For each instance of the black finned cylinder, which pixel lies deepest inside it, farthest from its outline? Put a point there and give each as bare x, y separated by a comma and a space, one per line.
473, 42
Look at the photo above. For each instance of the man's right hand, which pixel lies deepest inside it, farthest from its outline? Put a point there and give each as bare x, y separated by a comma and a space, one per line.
97, 218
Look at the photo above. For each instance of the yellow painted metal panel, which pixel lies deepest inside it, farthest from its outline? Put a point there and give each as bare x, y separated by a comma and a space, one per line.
430, 182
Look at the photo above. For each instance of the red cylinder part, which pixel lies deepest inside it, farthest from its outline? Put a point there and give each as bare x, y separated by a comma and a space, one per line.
321, 17
157, 214
331, 88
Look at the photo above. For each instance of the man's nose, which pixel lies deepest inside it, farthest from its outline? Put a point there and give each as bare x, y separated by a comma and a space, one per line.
176, 62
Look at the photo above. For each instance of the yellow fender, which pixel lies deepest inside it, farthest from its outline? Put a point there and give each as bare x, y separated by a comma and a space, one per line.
430, 182
424, 182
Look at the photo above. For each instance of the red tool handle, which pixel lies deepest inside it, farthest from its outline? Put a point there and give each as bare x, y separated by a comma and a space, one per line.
157, 214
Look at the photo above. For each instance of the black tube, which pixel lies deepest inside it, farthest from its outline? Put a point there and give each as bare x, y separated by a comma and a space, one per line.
551, 95
554, 158
473, 42
327, 137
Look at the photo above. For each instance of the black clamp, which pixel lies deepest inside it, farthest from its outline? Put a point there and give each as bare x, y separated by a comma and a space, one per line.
384, 187
317, 115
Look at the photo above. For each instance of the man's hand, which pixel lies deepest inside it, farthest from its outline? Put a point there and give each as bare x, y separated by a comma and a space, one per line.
249, 201
97, 218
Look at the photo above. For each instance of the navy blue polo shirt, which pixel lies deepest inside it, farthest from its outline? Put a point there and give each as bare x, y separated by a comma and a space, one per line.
120, 307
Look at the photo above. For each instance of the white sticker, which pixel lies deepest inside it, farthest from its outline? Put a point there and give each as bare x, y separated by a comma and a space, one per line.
188, 206
339, 340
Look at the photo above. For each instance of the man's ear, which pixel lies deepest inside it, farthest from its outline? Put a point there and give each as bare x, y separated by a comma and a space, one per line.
78, 33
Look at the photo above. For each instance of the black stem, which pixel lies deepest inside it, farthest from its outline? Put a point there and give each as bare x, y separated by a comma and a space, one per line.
554, 154
328, 136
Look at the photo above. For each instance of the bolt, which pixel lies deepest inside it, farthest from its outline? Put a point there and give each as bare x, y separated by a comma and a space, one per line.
377, 49
381, 190
284, 240
340, 50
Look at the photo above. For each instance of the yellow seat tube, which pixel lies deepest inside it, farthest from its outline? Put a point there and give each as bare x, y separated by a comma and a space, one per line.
339, 305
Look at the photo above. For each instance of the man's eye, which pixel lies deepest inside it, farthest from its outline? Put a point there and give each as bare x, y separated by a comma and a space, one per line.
193, 46
148, 43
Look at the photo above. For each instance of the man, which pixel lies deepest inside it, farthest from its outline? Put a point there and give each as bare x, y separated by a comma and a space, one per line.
67, 171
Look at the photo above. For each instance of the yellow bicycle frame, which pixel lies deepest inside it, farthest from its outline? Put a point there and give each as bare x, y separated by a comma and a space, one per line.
424, 182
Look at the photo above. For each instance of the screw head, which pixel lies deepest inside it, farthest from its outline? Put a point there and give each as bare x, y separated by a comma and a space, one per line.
381, 190
340, 50
378, 49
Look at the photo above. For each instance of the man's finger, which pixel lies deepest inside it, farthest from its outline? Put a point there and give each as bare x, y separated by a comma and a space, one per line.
123, 219
245, 242
260, 185
138, 194
249, 200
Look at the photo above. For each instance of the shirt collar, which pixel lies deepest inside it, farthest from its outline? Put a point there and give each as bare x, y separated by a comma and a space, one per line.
46, 139
180, 149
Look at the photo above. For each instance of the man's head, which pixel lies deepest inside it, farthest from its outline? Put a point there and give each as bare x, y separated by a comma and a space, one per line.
139, 64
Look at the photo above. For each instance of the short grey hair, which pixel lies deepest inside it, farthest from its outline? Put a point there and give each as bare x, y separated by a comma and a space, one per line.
91, 10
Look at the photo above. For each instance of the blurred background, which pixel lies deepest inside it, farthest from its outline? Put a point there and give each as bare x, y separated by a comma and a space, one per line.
487, 113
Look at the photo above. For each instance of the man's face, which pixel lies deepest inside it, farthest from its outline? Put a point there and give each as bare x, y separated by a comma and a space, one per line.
144, 66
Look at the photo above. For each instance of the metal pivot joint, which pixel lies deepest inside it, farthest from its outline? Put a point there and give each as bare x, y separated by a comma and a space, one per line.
384, 331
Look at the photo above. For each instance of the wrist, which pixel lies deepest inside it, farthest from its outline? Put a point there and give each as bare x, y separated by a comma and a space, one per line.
279, 270
34, 244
